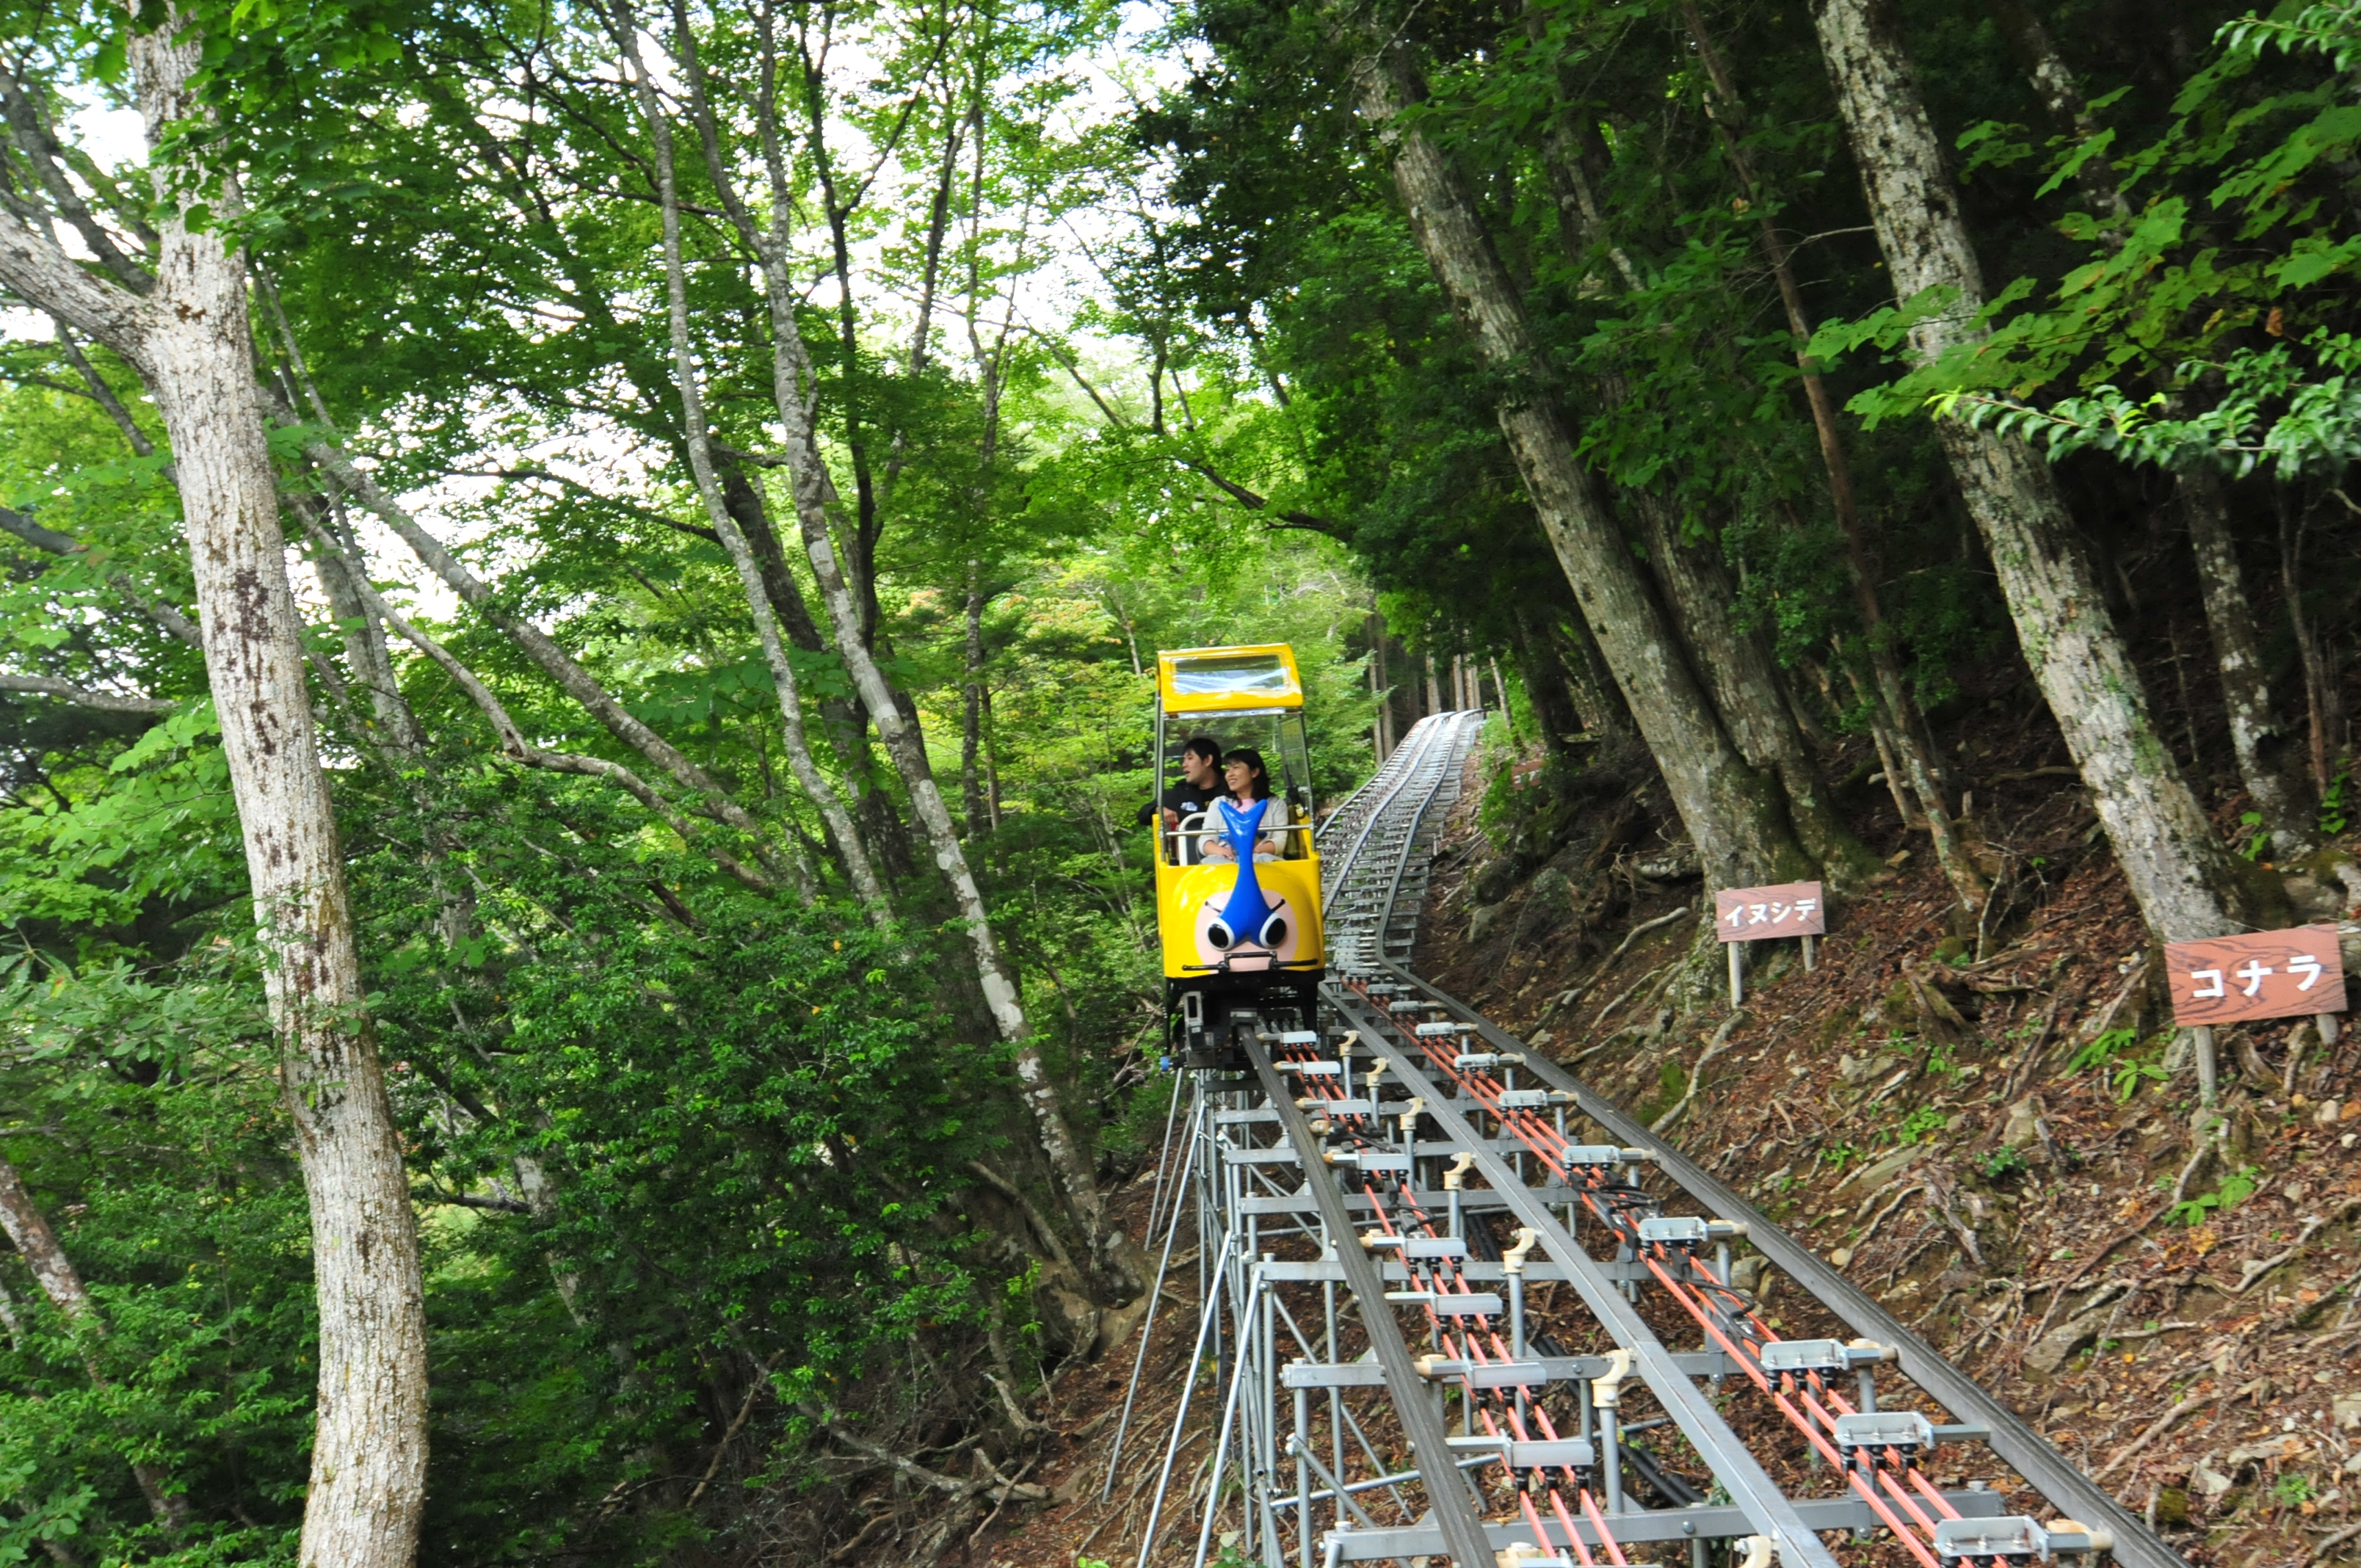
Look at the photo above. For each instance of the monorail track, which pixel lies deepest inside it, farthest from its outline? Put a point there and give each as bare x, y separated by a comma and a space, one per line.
1393, 1375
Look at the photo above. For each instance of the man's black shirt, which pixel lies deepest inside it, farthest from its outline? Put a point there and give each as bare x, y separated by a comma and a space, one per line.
1183, 797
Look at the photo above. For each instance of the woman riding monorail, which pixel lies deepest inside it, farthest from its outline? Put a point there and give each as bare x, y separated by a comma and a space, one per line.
1248, 802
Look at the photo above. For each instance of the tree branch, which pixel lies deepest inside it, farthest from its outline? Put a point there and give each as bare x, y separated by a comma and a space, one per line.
470, 1200
101, 392
39, 538
511, 739
1020, 1491
56, 544
539, 646
1015, 1194
629, 509
39, 145
34, 265
1253, 500
84, 696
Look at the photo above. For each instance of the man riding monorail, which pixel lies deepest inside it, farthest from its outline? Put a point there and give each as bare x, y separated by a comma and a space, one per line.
1201, 784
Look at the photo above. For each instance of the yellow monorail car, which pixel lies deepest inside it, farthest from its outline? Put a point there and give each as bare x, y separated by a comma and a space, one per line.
1238, 884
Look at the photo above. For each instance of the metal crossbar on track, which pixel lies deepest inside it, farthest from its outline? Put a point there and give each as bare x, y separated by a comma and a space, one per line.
1386, 1385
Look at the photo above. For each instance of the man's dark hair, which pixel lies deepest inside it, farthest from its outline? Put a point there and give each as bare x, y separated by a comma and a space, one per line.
1253, 759
1204, 746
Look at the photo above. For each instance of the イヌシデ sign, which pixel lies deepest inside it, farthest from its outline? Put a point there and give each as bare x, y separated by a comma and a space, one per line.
2270, 975
1751, 914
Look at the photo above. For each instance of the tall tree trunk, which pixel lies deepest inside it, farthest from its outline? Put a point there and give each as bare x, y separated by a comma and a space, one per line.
2323, 704
1752, 701
1548, 690
2054, 81
858, 868
1732, 813
61, 1283
189, 338
972, 715
2256, 739
1747, 690
1896, 721
2186, 881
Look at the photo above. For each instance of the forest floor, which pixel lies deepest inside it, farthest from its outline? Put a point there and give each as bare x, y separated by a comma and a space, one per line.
1941, 1127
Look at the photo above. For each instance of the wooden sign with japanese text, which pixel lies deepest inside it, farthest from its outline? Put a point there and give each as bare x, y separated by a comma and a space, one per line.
1752, 914
2268, 974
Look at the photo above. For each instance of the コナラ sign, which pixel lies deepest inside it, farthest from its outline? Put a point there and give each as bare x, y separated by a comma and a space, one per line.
2264, 974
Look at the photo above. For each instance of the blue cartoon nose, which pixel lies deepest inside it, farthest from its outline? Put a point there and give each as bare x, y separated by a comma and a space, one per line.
1247, 910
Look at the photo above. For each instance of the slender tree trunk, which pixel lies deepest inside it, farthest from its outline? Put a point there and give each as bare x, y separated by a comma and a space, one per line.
1894, 717
971, 716
840, 718
61, 1283
858, 868
2256, 739
906, 747
990, 762
2323, 705
2054, 81
1747, 690
795, 389
366, 652
1732, 813
394, 729
1882, 734
2187, 882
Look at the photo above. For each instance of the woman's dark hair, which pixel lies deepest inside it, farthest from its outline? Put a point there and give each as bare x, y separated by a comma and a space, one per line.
1253, 759
1204, 746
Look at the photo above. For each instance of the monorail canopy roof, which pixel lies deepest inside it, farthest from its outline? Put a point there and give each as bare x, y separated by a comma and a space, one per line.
1259, 678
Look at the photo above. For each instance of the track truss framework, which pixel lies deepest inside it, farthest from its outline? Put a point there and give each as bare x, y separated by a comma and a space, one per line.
1406, 1222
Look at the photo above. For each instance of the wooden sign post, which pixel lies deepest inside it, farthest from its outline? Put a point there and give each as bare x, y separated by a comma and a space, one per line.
1753, 914
2264, 974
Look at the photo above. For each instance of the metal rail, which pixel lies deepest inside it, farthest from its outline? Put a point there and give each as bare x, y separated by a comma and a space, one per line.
1454, 1512
1404, 1113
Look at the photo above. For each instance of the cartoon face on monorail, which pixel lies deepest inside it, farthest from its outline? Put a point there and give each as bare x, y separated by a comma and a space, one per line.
1244, 923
